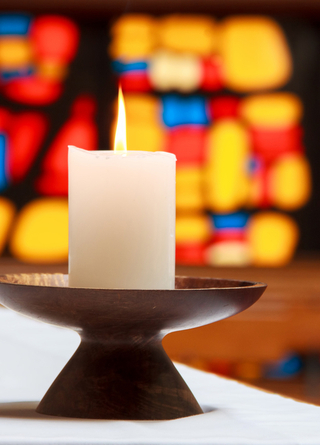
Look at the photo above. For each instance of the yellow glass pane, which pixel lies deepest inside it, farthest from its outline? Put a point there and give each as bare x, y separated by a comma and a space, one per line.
191, 34
41, 232
192, 228
7, 213
272, 110
290, 182
226, 176
272, 238
255, 53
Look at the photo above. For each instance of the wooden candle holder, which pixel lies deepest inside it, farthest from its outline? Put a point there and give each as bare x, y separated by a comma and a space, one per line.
120, 369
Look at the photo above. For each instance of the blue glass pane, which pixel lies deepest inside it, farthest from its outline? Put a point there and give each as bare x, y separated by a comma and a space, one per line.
236, 220
14, 24
3, 173
177, 110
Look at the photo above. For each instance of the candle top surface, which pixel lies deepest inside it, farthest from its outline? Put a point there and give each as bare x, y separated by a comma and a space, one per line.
122, 154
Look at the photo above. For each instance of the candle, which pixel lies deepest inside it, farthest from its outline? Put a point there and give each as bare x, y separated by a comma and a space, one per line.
121, 218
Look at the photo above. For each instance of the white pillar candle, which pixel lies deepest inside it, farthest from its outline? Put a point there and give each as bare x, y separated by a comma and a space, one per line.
121, 219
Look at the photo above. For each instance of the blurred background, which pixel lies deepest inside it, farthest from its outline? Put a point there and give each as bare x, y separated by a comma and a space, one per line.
234, 94
232, 89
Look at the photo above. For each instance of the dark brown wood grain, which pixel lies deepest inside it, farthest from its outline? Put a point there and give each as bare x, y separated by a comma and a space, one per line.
120, 370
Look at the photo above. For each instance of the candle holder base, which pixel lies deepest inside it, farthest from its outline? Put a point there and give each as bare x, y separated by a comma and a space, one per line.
123, 381
120, 369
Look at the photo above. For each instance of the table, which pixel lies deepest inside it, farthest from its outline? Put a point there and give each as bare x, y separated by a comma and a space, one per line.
33, 353
286, 318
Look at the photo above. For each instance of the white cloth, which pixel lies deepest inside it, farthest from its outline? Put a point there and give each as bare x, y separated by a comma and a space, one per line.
33, 353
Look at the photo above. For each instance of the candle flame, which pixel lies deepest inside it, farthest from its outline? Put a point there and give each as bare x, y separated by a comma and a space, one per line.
120, 140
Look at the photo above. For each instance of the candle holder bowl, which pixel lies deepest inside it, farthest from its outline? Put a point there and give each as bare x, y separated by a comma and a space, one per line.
120, 369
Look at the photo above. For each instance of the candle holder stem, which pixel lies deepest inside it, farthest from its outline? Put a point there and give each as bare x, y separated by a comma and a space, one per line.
126, 378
